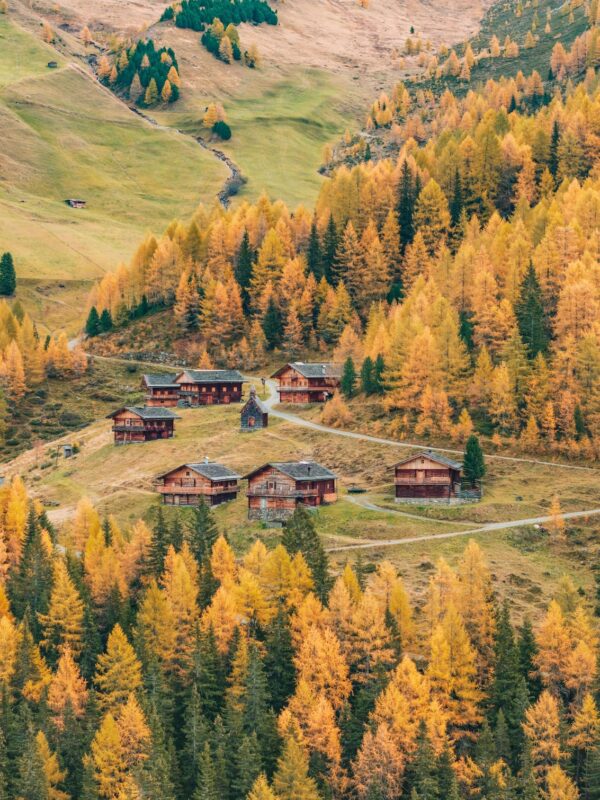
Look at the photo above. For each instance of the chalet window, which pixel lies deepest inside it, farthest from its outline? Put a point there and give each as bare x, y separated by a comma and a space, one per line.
213, 389
437, 473
204, 388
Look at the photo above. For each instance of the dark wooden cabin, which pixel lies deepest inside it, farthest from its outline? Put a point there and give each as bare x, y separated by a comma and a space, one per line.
427, 476
302, 382
161, 390
185, 485
132, 424
254, 414
205, 387
76, 202
275, 489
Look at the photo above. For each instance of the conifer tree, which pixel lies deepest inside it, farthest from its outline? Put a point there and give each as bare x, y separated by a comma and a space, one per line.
8, 279
314, 260
531, 315
406, 205
291, 780
202, 533
367, 377
92, 326
348, 382
473, 461
118, 672
329, 250
300, 536
272, 325
279, 660
243, 268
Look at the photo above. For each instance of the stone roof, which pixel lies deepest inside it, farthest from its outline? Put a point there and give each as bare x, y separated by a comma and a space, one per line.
298, 470
253, 399
146, 412
437, 457
213, 375
313, 369
164, 381
208, 469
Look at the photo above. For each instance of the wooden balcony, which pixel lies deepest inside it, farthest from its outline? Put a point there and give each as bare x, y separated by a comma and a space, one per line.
190, 486
264, 490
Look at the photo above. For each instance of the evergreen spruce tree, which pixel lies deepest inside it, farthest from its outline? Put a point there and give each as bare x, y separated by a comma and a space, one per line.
272, 325
313, 253
247, 763
32, 783
348, 382
279, 660
406, 205
3, 767
195, 737
300, 536
456, 203
31, 584
580, 427
202, 532
8, 278
527, 653
176, 534
159, 544
553, 155
527, 788
423, 773
208, 674
473, 461
531, 315
243, 269
329, 249
208, 787
378, 370
366, 376
106, 321
92, 326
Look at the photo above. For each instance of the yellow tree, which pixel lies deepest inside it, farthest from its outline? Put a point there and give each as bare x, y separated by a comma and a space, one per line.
63, 624
321, 663
370, 640
67, 689
9, 639
156, 631
179, 584
452, 671
118, 671
554, 648
542, 728
108, 760
432, 217
54, 774
261, 789
134, 733
559, 786
379, 766
475, 605
291, 780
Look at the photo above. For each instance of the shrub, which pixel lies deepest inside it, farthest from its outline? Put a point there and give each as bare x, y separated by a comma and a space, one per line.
222, 130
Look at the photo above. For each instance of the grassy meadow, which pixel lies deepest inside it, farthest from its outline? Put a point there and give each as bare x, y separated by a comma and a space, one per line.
119, 480
65, 136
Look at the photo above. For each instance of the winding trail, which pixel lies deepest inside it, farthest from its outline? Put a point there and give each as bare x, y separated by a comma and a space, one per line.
430, 537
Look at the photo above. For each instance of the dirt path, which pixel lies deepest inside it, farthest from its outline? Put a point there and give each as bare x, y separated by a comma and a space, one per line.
431, 537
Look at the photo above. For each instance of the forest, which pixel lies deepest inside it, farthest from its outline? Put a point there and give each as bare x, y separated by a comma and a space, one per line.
197, 14
476, 245
150, 662
143, 73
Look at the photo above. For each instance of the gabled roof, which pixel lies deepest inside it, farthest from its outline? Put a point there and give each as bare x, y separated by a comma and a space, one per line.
212, 375
437, 457
210, 470
164, 381
253, 400
147, 412
298, 470
312, 369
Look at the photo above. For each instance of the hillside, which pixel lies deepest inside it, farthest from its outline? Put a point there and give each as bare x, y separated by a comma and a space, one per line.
65, 136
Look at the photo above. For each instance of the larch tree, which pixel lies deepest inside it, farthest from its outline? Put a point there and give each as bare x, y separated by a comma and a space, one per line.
118, 671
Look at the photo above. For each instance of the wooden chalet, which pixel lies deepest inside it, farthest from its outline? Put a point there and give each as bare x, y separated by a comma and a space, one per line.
194, 387
187, 484
427, 476
254, 414
275, 489
161, 390
132, 424
303, 382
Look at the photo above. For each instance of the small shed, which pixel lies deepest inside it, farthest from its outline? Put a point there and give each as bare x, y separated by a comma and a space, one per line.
254, 415
68, 450
75, 202
52, 64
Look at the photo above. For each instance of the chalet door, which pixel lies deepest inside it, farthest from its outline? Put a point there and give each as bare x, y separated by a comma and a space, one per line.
420, 475
209, 400
251, 422
271, 485
263, 503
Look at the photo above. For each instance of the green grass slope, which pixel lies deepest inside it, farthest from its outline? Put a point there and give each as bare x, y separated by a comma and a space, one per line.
65, 136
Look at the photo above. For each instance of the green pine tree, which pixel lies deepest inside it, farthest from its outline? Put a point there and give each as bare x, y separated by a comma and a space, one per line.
106, 321
243, 268
8, 277
406, 205
473, 461
378, 370
272, 325
367, 384
92, 326
329, 249
532, 318
279, 660
348, 382
300, 536
202, 532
